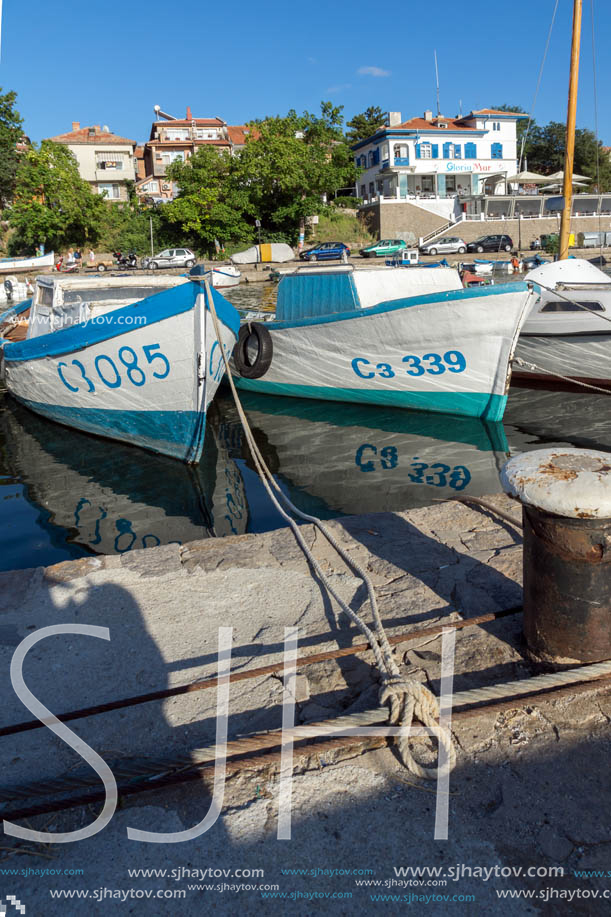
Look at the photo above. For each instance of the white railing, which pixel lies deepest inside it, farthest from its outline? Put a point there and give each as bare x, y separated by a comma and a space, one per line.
438, 232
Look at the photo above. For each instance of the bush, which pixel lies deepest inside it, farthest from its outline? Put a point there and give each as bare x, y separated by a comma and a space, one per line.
551, 243
350, 202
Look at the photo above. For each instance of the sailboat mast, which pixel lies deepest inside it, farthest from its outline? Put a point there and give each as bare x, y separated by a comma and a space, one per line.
571, 117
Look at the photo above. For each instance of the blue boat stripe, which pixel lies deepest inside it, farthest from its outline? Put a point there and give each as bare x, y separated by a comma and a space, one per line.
145, 312
17, 309
469, 404
405, 303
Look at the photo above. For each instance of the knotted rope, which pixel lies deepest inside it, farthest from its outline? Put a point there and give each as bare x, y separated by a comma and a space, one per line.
407, 697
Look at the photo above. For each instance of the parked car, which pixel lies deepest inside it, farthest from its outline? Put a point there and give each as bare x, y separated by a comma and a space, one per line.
447, 244
383, 248
170, 257
491, 244
325, 251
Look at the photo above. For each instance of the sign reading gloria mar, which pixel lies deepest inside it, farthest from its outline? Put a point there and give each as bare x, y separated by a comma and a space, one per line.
471, 167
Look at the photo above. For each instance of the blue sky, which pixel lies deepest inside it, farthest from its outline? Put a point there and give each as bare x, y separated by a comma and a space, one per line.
110, 64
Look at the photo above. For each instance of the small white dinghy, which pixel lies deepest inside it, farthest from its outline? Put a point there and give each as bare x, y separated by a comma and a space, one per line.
264, 253
224, 276
346, 335
568, 329
11, 265
134, 359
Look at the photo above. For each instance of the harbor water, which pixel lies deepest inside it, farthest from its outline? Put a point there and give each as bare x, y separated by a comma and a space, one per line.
67, 494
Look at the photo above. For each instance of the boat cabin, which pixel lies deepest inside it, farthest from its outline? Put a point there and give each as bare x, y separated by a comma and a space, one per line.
575, 299
310, 292
61, 301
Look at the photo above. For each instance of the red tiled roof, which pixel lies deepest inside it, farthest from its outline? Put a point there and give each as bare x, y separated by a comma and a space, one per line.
239, 132
421, 124
83, 136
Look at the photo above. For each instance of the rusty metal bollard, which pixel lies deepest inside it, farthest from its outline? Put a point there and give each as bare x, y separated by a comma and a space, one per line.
566, 509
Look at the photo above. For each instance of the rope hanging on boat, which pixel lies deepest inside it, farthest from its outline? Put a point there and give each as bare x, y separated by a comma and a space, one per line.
548, 372
605, 318
407, 698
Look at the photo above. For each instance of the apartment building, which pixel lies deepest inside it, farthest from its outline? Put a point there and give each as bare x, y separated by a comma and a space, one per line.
104, 159
176, 139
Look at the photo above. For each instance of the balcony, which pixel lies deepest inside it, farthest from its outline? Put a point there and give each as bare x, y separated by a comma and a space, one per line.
401, 160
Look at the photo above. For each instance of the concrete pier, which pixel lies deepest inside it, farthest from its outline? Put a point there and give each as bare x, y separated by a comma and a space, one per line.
530, 788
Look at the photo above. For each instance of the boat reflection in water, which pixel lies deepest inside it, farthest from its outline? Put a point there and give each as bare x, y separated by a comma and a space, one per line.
537, 417
337, 459
94, 496
110, 498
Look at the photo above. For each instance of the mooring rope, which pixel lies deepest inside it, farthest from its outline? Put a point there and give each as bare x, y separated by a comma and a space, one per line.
406, 697
548, 372
575, 302
134, 770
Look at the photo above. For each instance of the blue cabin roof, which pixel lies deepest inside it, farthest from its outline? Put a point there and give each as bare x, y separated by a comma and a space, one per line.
305, 295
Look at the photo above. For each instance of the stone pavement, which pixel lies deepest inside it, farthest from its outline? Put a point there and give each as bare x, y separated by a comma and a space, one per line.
530, 788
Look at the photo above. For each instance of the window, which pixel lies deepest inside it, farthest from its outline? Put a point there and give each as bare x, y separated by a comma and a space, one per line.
401, 154
497, 150
173, 156
175, 133
111, 160
111, 191
426, 151
561, 305
371, 189
457, 151
363, 191
470, 151
448, 151
370, 158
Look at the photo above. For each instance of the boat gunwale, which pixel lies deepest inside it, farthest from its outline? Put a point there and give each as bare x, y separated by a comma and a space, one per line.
406, 302
82, 335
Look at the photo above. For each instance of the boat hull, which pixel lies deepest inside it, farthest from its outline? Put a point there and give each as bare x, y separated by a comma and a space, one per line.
579, 357
14, 265
225, 277
149, 386
448, 352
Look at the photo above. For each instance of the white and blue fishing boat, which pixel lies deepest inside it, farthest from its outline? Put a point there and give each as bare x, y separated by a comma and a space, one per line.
130, 358
35, 263
346, 335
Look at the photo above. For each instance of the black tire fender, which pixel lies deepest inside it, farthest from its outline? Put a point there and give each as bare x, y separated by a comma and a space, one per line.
264, 354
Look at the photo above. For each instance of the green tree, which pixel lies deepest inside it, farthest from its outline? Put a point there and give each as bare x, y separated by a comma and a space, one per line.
11, 132
127, 227
52, 203
213, 203
547, 154
365, 124
291, 163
